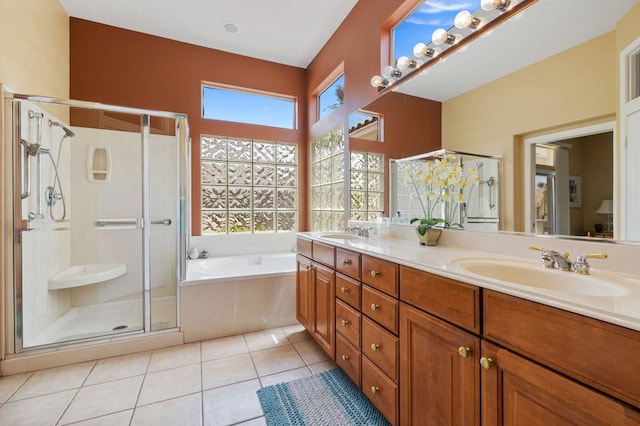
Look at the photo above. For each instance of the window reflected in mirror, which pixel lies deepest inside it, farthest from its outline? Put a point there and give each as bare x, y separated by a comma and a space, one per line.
365, 125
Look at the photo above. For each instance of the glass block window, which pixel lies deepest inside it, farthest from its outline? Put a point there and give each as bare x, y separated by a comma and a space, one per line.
248, 186
244, 106
366, 195
327, 181
331, 98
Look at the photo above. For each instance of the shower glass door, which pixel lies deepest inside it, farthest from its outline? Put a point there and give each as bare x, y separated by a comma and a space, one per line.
98, 208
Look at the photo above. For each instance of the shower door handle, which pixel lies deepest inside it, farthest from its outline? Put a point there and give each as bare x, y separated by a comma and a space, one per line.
165, 221
105, 223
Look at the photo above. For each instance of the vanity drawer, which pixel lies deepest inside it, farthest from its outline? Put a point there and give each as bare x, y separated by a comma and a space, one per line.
303, 247
381, 347
380, 307
380, 274
348, 263
599, 354
381, 390
451, 300
348, 323
348, 358
324, 253
348, 290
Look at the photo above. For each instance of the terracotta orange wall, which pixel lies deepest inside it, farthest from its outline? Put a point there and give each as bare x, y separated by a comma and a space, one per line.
122, 67
411, 125
127, 68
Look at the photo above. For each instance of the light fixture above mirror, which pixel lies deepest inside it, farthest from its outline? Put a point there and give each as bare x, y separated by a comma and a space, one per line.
466, 27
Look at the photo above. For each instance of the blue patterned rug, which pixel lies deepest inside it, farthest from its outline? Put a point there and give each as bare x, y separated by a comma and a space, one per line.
328, 398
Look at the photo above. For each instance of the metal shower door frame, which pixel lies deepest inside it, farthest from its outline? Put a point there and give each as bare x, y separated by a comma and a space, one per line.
13, 304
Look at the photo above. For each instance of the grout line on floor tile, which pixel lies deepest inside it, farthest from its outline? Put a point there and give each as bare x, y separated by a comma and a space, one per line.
18, 388
68, 405
97, 417
169, 399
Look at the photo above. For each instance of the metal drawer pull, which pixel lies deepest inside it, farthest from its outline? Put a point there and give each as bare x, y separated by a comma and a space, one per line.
464, 351
374, 307
345, 357
346, 262
374, 273
374, 389
487, 363
344, 289
375, 346
345, 323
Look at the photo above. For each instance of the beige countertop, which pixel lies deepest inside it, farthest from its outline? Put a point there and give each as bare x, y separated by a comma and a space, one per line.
445, 260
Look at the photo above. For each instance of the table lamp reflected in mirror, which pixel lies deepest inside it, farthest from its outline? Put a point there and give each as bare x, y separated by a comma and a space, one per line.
606, 207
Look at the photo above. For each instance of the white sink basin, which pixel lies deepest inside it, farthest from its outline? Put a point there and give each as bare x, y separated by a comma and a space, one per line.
600, 283
341, 236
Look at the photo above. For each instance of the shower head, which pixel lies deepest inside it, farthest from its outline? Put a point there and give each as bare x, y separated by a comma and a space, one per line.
31, 148
68, 132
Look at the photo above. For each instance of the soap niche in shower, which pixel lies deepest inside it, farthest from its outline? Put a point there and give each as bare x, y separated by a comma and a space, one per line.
99, 164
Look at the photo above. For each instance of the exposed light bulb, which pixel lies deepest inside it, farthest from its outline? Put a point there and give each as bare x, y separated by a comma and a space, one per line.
500, 5
464, 19
404, 63
421, 50
390, 72
377, 81
441, 36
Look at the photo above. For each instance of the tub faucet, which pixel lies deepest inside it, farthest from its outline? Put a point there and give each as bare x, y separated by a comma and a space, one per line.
203, 254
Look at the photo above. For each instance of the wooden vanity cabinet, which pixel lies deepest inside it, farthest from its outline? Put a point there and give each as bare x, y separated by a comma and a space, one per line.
600, 355
518, 391
439, 361
426, 349
315, 297
304, 291
439, 371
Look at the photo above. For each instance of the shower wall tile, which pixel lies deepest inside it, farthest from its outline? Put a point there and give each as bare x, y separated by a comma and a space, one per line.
44, 253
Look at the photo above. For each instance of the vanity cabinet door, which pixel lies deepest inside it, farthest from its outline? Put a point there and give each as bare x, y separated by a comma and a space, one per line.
323, 325
304, 292
516, 391
439, 371
601, 355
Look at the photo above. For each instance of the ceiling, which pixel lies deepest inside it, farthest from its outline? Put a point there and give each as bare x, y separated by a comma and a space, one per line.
289, 32
542, 30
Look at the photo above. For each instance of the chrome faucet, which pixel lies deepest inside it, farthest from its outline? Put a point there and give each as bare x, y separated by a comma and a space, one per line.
361, 232
554, 260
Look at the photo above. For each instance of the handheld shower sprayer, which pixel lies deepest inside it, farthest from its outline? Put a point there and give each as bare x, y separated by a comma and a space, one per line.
68, 132
30, 148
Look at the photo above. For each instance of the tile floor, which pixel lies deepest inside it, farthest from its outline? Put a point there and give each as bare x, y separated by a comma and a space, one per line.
207, 383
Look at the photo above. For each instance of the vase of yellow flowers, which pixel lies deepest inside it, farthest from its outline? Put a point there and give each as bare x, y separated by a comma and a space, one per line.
439, 186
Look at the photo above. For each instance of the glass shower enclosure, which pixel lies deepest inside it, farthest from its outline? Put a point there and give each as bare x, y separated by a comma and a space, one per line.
96, 197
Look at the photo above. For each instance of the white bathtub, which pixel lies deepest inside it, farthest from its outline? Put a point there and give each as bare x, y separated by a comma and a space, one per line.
224, 296
239, 267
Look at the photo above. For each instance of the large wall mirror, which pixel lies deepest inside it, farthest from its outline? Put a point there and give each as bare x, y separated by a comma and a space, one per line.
551, 70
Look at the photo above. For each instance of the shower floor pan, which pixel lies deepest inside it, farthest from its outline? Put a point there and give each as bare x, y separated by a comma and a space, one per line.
106, 319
